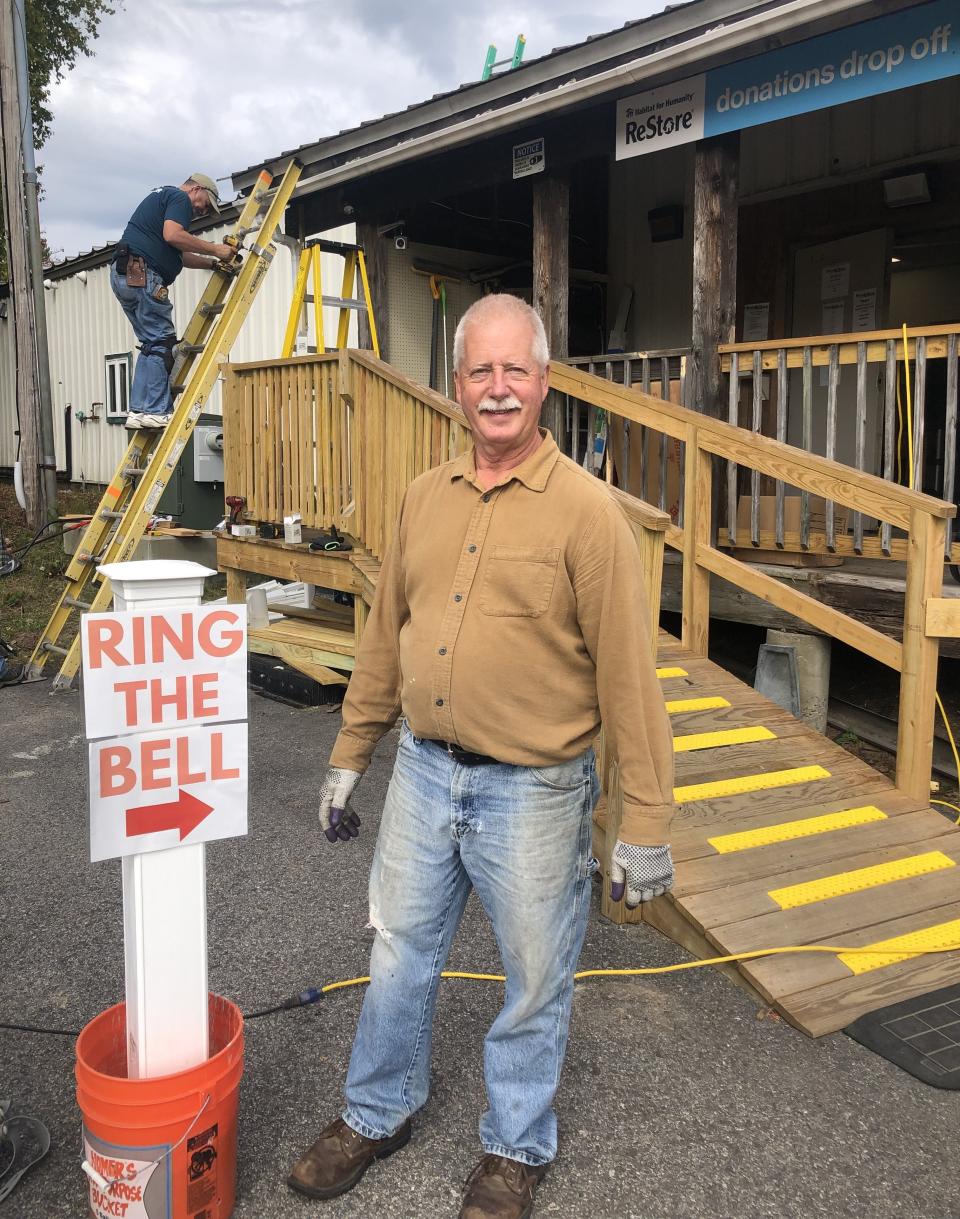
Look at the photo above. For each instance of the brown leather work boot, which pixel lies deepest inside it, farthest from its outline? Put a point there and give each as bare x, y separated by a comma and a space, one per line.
339, 1158
499, 1188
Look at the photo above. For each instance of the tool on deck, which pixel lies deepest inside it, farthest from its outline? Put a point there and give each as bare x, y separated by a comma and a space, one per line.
334, 540
236, 505
152, 454
309, 267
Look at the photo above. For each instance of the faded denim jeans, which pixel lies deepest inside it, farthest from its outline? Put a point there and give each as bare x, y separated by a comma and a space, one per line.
151, 320
521, 838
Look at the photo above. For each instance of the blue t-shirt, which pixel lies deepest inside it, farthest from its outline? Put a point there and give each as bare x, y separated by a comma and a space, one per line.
144, 231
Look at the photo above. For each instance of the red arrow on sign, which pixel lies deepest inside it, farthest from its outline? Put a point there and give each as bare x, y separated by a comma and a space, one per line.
183, 814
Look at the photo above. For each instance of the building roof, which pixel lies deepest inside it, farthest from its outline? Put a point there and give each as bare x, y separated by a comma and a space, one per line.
679, 41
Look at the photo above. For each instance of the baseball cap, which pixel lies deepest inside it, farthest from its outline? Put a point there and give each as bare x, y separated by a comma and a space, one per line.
210, 187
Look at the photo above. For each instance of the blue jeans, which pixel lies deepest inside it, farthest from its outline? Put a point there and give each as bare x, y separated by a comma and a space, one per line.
151, 320
521, 838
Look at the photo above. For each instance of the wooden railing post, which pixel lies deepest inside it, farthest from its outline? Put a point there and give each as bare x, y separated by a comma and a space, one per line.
918, 678
697, 530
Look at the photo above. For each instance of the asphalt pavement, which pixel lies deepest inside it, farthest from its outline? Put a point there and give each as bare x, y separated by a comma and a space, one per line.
680, 1098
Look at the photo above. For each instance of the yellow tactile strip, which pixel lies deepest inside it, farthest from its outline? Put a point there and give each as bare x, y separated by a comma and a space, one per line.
724, 736
902, 947
743, 784
842, 883
679, 705
787, 831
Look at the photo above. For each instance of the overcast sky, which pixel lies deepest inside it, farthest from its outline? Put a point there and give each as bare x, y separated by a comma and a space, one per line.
217, 85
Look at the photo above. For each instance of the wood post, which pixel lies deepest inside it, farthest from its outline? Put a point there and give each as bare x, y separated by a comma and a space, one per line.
918, 676
27, 374
697, 531
551, 281
716, 178
375, 255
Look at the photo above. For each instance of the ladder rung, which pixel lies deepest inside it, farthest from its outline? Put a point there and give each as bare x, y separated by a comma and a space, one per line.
107, 514
77, 604
53, 647
133, 472
341, 302
209, 311
191, 349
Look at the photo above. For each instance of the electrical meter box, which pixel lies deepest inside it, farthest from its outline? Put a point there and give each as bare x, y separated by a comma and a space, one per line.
194, 494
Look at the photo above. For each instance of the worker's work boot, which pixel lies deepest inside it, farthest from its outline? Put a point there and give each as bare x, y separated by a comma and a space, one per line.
499, 1188
339, 1158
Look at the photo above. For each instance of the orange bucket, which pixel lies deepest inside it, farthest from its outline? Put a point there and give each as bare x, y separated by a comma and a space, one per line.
163, 1148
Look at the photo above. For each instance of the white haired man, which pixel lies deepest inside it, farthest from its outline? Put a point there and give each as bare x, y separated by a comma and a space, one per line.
154, 249
509, 618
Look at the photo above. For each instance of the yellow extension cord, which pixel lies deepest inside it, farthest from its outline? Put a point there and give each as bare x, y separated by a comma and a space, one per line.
669, 969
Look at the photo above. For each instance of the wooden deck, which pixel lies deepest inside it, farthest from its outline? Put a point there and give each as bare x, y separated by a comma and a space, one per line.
783, 839
790, 840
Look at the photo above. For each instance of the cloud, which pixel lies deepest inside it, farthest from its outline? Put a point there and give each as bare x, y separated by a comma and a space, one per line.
217, 85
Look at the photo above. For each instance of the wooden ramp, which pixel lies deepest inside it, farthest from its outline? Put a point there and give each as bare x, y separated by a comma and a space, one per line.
783, 839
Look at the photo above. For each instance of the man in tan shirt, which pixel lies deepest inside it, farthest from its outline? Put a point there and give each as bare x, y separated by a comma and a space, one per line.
510, 618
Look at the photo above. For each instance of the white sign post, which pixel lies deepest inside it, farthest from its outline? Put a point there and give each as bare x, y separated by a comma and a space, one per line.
165, 696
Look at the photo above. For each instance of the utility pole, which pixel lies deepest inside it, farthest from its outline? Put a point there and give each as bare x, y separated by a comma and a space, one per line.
25, 264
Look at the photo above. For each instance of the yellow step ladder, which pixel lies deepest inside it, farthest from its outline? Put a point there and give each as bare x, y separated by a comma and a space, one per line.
309, 269
131, 499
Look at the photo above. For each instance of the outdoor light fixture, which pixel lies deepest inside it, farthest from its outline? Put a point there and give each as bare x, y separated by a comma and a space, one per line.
906, 190
666, 223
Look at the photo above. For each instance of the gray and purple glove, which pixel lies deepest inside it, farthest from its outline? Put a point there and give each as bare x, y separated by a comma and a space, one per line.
337, 819
644, 872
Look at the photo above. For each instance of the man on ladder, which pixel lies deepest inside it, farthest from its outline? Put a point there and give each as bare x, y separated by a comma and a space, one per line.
154, 249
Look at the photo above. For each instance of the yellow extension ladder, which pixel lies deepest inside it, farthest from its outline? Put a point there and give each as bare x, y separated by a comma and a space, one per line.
151, 457
309, 268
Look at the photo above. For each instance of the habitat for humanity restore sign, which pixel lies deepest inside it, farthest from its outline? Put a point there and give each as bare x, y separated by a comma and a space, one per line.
908, 48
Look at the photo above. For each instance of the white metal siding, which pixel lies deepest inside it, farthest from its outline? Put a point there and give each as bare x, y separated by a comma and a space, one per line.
85, 324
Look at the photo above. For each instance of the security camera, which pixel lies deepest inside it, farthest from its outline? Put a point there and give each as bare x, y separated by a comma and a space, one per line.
400, 241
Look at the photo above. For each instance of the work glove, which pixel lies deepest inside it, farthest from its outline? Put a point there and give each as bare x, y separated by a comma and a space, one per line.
337, 819
645, 872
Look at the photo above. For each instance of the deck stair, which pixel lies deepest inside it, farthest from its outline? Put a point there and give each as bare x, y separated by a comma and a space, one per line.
787, 839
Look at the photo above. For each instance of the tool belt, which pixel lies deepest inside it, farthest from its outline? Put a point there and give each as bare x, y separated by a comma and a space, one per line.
133, 267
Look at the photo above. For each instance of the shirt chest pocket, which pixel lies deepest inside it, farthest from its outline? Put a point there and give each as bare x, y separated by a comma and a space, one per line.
519, 580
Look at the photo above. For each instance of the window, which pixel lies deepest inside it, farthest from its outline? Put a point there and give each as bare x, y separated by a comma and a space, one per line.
118, 385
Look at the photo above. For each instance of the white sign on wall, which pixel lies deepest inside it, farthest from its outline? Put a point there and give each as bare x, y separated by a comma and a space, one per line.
660, 118
163, 691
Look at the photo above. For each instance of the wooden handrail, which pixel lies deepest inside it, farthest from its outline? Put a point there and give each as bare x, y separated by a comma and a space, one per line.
826, 340
926, 615
809, 471
429, 397
325, 357
640, 512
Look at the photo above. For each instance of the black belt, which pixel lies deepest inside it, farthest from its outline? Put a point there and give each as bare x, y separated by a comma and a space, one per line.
464, 756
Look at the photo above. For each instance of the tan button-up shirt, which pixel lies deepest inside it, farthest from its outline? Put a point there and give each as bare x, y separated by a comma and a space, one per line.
511, 621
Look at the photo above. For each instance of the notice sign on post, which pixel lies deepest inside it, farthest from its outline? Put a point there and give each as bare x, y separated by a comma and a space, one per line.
529, 158
165, 696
